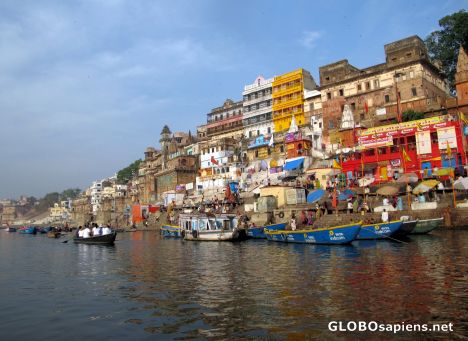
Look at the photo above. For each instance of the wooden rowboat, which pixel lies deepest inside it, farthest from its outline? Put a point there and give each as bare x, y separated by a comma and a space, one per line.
107, 239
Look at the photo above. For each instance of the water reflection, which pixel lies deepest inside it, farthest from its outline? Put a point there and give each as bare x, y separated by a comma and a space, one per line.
146, 286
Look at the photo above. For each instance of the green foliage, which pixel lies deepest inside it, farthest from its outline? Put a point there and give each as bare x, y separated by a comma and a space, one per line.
48, 201
124, 175
443, 45
71, 193
411, 115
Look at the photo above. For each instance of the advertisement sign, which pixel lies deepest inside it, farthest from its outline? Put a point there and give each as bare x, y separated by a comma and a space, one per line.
447, 135
291, 137
418, 124
423, 142
381, 111
376, 142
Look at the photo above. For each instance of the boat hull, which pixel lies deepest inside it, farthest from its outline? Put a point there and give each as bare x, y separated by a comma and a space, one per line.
107, 239
379, 231
259, 232
10, 229
28, 230
171, 231
406, 228
336, 235
426, 226
216, 235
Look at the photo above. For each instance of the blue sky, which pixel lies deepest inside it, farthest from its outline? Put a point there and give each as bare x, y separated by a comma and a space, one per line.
86, 86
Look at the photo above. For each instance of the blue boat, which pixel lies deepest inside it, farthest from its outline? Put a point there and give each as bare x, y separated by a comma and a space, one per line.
379, 230
28, 230
259, 232
171, 231
343, 234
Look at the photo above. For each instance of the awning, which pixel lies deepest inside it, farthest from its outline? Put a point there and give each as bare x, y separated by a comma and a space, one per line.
294, 164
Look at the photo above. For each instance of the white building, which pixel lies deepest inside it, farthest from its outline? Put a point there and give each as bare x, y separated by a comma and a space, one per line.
313, 108
257, 105
96, 195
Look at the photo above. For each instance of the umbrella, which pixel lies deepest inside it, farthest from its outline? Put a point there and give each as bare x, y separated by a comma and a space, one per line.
315, 195
387, 190
461, 184
363, 182
349, 192
343, 196
408, 177
425, 186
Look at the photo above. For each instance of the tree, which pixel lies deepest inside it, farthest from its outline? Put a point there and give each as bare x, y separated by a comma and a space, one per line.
443, 45
411, 115
125, 174
71, 193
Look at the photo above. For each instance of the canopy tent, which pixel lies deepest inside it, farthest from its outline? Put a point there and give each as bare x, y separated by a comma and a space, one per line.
387, 190
294, 164
425, 186
315, 195
407, 178
363, 182
443, 172
461, 184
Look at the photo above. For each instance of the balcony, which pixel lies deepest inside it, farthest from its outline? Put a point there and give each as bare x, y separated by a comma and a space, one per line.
288, 104
288, 91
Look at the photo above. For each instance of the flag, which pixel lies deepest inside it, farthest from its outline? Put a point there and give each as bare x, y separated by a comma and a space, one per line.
213, 161
336, 164
366, 108
449, 151
406, 156
362, 165
270, 144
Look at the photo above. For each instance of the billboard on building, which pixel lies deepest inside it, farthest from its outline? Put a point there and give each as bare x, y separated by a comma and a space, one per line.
447, 135
423, 142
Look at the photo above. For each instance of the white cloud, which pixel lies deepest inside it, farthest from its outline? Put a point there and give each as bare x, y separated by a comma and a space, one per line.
309, 38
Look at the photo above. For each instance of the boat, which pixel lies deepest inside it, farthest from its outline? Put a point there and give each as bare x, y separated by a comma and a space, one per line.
28, 230
427, 225
258, 232
379, 230
211, 227
10, 229
53, 234
406, 228
107, 239
343, 234
171, 231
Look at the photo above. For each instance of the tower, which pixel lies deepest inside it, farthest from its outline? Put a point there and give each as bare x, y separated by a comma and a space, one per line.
165, 141
461, 78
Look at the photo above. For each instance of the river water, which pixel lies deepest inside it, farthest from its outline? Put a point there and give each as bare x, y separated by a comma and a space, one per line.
146, 287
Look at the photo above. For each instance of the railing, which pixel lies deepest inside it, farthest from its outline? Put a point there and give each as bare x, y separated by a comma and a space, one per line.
287, 91
287, 104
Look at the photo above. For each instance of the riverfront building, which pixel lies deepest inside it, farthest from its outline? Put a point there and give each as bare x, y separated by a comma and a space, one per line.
225, 121
257, 107
381, 93
288, 98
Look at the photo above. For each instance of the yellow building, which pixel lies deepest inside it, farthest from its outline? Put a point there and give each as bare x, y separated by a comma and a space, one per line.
288, 98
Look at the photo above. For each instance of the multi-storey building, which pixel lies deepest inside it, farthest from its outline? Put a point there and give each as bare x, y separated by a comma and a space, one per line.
381, 93
313, 117
225, 121
288, 98
257, 106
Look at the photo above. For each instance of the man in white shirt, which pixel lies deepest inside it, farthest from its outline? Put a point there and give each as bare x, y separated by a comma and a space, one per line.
385, 216
106, 230
86, 232
80, 232
95, 230
385, 201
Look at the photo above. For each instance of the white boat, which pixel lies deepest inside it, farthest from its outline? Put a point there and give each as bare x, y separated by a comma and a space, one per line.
211, 227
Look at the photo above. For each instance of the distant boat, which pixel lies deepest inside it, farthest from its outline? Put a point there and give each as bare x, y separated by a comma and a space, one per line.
173, 231
427, 225
211, 227
107, 239
343, 234
379, 230
53, 234
28, 230
10, 229
259, 233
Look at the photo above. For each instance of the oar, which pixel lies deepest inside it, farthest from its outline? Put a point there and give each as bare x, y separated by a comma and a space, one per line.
66, 241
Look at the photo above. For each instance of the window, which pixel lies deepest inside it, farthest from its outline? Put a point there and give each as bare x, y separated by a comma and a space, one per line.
411, 142
320, 125
411, 74
328, 95
359, 87
387, 98
376, 83
362, 116
341, 92
434, 137
258, 132
353, 106
367, 85
269, 130
331, 125
256, 153
282, 149
413, 92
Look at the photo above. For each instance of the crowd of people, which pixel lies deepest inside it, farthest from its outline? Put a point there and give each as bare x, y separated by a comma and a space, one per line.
93, 230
